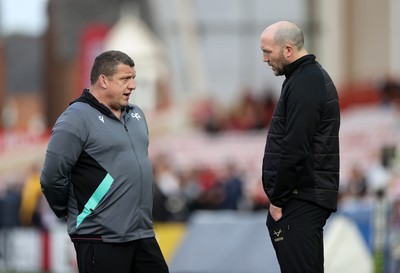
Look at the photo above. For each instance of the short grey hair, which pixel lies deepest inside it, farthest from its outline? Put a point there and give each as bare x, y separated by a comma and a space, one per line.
290, 34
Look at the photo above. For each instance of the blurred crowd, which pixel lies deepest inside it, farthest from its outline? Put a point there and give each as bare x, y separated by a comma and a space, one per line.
250, 112
177, 193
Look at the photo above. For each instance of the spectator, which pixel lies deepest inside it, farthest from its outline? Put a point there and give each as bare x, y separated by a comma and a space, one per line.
10, 201
190, 188
357, 184
377, 176
29, 212
390, 91
232, 187
169, 202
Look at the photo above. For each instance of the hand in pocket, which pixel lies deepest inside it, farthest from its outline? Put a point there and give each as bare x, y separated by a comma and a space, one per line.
275, 212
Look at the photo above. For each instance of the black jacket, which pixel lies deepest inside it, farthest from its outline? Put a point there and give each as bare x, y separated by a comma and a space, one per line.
301, 158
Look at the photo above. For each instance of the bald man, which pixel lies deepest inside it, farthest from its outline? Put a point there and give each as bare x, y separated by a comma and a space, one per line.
300, 170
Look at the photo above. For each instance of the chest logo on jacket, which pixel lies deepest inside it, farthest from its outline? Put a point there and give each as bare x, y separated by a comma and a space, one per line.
101, 118
136, 115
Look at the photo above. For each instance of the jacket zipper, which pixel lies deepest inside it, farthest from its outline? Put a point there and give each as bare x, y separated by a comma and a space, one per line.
141, 176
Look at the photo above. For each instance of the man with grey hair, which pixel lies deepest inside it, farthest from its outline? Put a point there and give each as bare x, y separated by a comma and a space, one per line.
300, 170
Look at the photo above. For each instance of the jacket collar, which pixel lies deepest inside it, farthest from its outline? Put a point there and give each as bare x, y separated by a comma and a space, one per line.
87, 97
292, 67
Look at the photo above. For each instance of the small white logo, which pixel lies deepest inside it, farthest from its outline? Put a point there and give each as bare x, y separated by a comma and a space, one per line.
136, 115
278, 235
101, 118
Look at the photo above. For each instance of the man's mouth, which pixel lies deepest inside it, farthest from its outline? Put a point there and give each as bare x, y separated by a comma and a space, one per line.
127, 95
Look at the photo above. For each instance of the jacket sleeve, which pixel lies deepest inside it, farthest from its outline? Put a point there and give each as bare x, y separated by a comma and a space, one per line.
303, 102
63, 151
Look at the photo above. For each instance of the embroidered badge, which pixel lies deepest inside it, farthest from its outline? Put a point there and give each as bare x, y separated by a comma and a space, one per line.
136, 115
278, 235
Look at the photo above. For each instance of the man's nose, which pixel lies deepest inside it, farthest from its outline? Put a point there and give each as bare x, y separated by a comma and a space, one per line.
132, 84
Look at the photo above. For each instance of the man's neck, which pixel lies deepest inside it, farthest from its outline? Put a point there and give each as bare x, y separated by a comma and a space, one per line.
98, 95
299, 54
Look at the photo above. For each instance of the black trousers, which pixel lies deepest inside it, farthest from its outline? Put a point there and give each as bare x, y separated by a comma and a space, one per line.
140, 256
298, 237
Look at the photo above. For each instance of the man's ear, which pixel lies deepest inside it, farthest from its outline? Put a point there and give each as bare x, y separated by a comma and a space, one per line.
103, 81
288, 51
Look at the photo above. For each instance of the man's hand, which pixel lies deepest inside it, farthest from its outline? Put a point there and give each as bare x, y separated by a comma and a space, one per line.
275, 212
